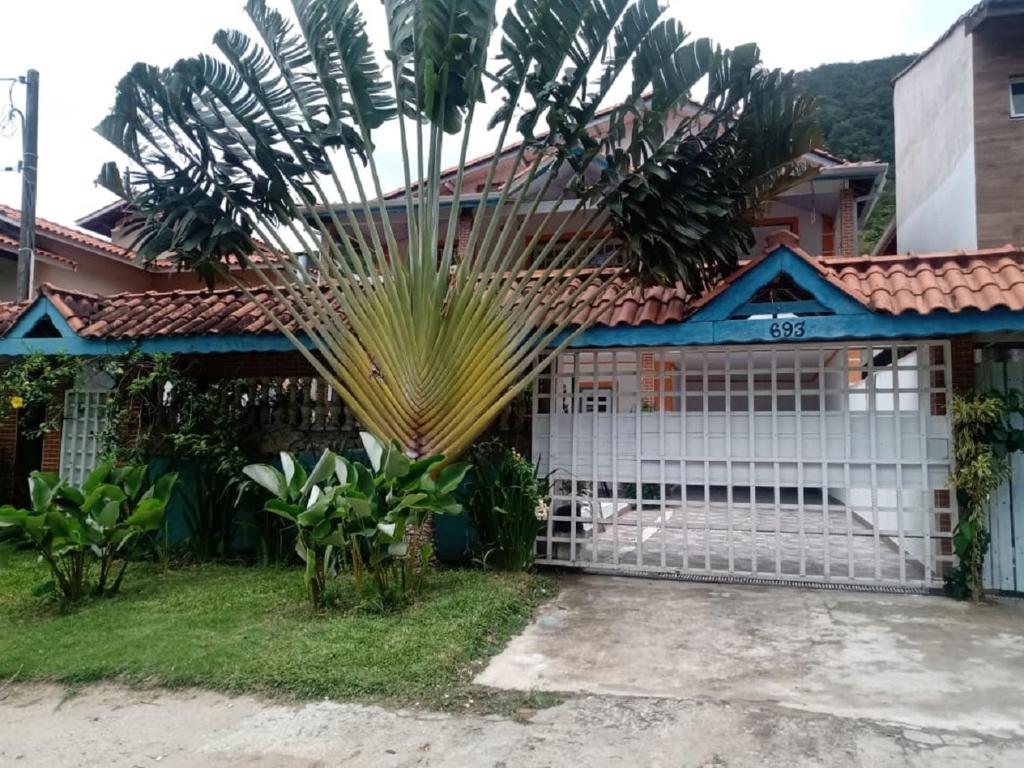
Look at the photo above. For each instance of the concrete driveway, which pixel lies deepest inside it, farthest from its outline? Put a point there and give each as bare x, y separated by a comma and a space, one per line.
906, 660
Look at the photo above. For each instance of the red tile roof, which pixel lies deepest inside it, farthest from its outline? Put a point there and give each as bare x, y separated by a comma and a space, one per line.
917, 283
923, 283
170, 313
67, 233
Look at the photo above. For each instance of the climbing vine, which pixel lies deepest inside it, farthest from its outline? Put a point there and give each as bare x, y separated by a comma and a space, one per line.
31, 386
985, 433
155, 408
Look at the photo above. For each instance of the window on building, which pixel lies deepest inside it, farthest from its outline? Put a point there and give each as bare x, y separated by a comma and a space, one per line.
1017, 97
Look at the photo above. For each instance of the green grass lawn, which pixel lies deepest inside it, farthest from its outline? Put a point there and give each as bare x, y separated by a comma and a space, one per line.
242, 628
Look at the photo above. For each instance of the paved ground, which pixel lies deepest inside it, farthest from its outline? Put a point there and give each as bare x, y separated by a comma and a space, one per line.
659, 674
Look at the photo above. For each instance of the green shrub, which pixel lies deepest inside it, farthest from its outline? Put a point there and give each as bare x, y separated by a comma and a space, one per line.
97, 526
505, 497
349, 515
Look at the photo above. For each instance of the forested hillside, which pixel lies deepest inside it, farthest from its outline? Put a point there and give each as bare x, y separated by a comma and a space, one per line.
855, 113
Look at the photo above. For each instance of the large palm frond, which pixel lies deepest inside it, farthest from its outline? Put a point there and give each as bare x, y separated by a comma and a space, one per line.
275, 145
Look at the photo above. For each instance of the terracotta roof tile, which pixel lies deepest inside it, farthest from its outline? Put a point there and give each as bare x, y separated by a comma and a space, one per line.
10, 311
953, 281
949, 282
67, 233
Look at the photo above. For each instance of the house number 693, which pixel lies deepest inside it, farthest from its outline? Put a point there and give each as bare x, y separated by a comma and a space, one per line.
787, 330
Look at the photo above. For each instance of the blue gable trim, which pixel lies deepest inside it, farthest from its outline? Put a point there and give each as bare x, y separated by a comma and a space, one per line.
781, 261
40, 308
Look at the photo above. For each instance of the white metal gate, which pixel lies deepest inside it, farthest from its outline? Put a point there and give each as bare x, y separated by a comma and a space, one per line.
814, 462
85, 416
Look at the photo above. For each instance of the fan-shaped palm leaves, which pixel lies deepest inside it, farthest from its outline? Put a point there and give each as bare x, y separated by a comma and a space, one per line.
428, 328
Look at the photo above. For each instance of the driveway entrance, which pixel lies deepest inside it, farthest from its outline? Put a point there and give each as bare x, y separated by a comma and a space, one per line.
925, 662
787, 462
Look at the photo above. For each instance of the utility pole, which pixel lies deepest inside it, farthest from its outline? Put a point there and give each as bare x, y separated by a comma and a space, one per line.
29, 169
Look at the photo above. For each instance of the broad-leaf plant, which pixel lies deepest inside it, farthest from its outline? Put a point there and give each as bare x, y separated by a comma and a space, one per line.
429, 309
92, 531
349, 515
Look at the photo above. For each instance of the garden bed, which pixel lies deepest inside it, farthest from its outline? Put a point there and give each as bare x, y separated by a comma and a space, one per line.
237, 628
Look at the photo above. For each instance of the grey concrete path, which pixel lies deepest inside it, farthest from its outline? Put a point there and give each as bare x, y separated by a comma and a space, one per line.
922, 661
118, 728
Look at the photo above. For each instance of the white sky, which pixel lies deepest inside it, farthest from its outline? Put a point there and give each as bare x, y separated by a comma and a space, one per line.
81, 49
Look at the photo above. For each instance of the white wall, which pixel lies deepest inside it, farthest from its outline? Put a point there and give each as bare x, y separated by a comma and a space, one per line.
934, 113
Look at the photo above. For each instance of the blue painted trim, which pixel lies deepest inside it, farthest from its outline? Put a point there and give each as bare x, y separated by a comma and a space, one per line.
865, 325
40, 308
778, 262
177, 345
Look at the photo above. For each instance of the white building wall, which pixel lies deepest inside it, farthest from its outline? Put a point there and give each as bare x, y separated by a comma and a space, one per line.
934, 121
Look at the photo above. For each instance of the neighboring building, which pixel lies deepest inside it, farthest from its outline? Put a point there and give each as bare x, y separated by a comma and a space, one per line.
79, 260
826, 212
959, 111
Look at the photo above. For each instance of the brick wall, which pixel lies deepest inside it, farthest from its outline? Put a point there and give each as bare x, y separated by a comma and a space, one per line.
51, 440
8, 444
962, 362
465, 226
847, 224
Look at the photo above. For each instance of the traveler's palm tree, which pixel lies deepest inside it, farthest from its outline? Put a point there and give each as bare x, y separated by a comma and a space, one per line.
270, 154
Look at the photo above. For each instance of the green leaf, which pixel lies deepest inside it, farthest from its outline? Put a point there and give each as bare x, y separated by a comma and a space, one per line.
9, 516
288, 466
269, 478
97, 476
69, 494
41, 489
324, 468
450, 477
164, 486
148, 515
132, 481
108, 515
282, 508
396, 463
360, 507
375, 449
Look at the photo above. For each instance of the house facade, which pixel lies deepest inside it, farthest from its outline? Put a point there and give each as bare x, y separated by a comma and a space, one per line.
959, 113
790, 425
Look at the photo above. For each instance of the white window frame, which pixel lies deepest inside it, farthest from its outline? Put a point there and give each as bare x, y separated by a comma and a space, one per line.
1014, 115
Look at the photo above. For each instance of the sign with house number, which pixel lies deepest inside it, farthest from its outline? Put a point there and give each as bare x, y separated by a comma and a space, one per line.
787, 329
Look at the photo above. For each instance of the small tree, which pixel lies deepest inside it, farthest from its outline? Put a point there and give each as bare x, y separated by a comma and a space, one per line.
271, 154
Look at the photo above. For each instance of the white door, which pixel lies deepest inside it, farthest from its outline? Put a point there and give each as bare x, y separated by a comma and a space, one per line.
800, 462
85, 417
